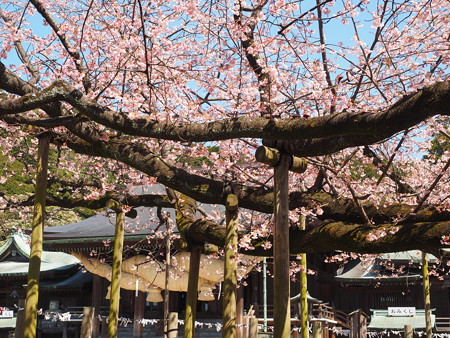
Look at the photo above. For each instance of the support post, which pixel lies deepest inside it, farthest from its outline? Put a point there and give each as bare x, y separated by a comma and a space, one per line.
37, 237
240, 312
192, 292
265, 294
96, 302
173, 325
139, 308
304, 297
408, 332
230, 278
116, 269
282, 309
87, 322
104, 330
304, 288
166, 282
282, 163
426, 294
20, 321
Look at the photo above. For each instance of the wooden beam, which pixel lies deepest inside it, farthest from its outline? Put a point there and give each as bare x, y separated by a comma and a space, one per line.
116, 269
282, 308
192, 292
34, 266
272, 157
230, 267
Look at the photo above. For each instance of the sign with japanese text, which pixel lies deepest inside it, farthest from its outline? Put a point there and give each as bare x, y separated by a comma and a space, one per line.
401, 311
6, 313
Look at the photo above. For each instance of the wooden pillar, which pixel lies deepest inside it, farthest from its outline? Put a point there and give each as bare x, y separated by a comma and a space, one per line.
173, 325
230, 278
87, 322
166, 282
303, 287
358, 324
282, 308
282, 163
97, 284
408, 332
426, 294
20, 321
37, 237
240, 312
192, 292
116, 269
104, 330
139, 308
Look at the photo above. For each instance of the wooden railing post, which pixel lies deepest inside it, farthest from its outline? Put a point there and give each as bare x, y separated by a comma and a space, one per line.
253, 327
87, 323
317, 330
230, 278
408, 332
173, 325
34, 266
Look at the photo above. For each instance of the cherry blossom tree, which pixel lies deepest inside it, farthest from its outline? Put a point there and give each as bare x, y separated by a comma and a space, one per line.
181, 93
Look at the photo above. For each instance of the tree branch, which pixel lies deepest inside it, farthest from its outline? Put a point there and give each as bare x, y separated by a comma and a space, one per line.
310, 137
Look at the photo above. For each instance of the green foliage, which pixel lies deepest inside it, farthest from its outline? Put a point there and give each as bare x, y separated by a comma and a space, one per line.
197, 161
439, 145
18, 182
360, 170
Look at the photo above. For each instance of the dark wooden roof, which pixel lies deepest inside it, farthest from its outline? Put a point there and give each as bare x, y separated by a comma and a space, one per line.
97, 232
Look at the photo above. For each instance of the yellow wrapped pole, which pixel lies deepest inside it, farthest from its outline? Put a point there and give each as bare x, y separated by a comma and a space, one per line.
230, 278
304, 297
37, 237
426, 294
116, 269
